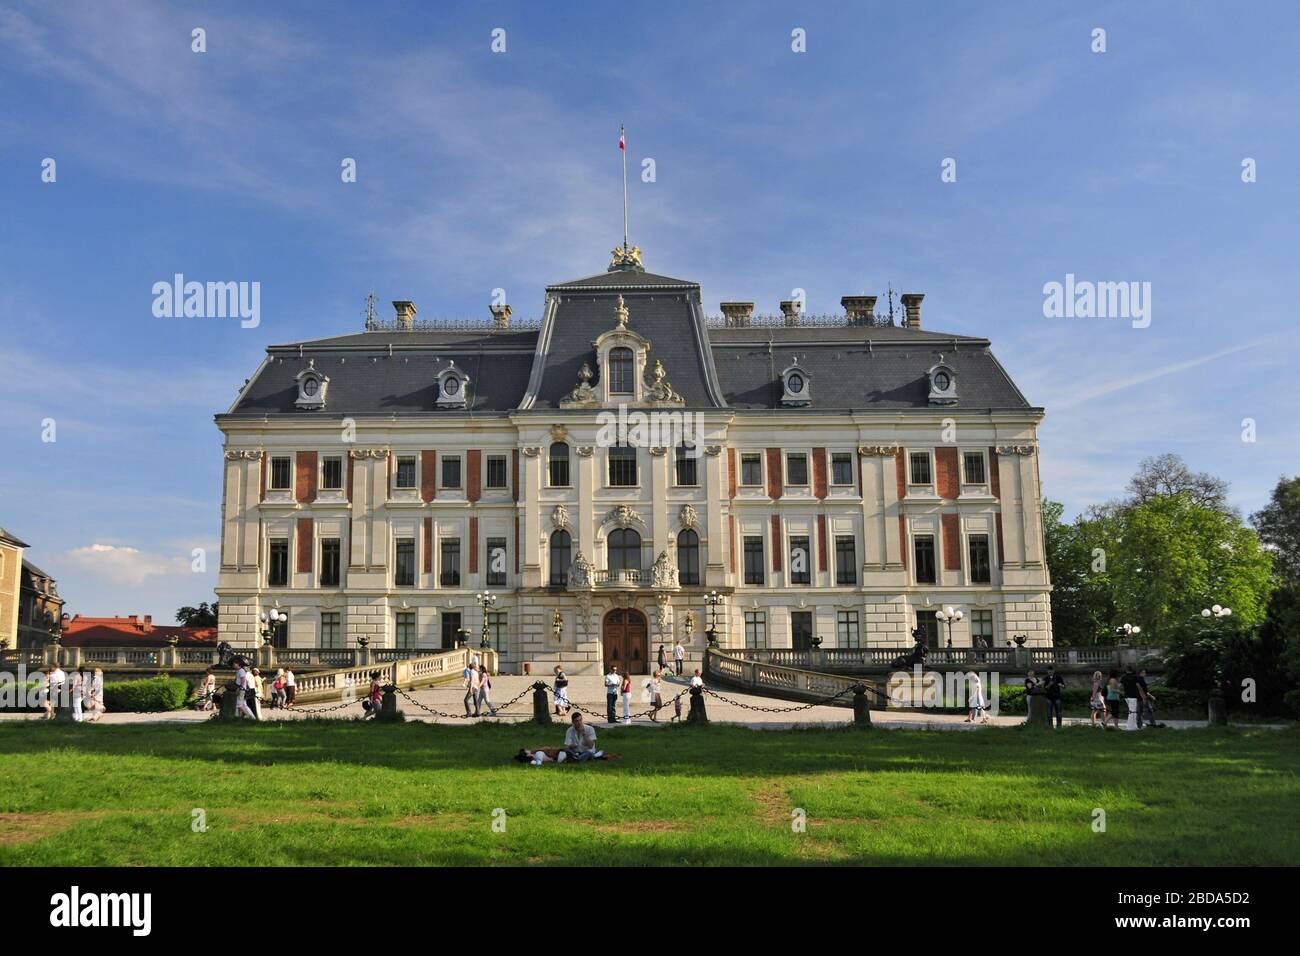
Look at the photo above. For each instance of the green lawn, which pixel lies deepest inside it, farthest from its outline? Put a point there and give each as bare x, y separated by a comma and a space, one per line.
333, 793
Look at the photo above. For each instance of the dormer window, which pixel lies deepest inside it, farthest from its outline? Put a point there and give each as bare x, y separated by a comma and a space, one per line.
621, 357
311, 387
943, 384
621, 365
452, 385
794, 384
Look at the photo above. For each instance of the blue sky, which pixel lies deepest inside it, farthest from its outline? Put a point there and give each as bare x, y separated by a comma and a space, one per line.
477, 170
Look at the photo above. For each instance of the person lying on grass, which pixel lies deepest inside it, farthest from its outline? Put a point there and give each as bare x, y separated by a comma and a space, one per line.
540, 755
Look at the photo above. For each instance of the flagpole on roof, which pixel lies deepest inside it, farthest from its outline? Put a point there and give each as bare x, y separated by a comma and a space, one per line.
622, 148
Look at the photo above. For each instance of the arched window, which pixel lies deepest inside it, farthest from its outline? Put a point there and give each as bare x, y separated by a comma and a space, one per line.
688, 558
624, 550
620, 371
561, 557
559, 465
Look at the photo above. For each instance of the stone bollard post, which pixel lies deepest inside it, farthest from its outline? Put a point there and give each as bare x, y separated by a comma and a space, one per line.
266, 658
1218, 710
697, 714
861, 707
229, 700
63, 704
1039, 714
388, 704
541, 704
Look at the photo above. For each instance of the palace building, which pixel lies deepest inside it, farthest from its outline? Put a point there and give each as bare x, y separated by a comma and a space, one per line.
604, 470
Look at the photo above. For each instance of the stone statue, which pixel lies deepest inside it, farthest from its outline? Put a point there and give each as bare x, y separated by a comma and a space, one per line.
580, 571
584, 394
664, 573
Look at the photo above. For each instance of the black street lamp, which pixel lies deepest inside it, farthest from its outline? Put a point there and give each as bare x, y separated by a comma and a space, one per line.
486, 599
713, 599
271, 620
949, 616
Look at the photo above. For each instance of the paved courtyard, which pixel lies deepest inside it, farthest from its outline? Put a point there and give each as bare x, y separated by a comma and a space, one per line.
588, 693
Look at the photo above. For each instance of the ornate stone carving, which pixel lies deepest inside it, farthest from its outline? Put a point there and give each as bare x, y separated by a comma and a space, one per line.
664, 573
658, 451
585, 393
1015, 449
664, 616
584, 451
689, 517
531, 451
660, 391
623, 515
713, 451
878, 451
560, 517
243, 455
580, 571
369, 453
559, 432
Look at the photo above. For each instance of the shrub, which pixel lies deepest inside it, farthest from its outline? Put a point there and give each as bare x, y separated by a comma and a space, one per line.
151, 694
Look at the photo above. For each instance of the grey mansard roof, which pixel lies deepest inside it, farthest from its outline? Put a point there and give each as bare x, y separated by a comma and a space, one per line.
531, 369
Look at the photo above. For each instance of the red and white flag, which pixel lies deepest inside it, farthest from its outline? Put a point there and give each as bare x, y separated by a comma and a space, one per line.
621, 143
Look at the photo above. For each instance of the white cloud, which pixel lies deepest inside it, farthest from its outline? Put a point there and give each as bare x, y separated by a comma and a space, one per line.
128, 565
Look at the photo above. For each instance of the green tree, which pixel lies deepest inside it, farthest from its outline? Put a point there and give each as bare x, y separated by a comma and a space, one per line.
1278, 524
1082, 606
204, 615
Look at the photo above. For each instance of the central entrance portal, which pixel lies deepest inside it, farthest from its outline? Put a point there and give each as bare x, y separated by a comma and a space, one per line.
625, 641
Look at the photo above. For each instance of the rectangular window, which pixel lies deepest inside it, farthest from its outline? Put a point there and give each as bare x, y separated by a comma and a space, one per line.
331, 633
450, 629
622, 466
981, 628
841, 469
451, 472
751, 470
846, 564
404, 568
920, 468
846, 629
800, 560
796, 469
753, 560
277, 575
496, 472
496, 562
923, 550
331, 552
928, 625
497, 629
978, 547
450, 563
404, 628
973, 468
405, 472
687, 466
756, 630
281, 474
331, 474
559, 465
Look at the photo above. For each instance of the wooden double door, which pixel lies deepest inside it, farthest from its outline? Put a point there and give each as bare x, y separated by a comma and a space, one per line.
625, 642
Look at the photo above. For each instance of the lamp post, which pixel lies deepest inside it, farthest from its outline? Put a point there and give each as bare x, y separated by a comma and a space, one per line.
271, 619
949, 616
713, 599
1128, 630
486, 599
1216, 612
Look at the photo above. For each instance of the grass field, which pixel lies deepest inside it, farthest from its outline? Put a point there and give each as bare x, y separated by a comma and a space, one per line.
338, 793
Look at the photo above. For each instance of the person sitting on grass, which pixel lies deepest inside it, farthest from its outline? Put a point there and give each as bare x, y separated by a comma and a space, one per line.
580, 740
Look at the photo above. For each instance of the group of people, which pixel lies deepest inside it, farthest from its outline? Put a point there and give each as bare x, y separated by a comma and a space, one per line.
1131, 687
251, 689
1051, 687
619, 686
85, 690
478, 688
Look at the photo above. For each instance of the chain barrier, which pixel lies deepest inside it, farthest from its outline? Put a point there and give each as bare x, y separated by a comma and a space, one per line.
779, 710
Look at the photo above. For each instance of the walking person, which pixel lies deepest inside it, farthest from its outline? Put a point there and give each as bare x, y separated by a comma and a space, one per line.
1112, 698
258, 690
1097, 700
243, 691
96, 696
656, 691
977, 702
561, 692
78, 686
277, 690
470, 676
679, 656
1052, 687
55, 678
626, 691
1032, 685
207, 690
375, 696
290, 691
485, 691
612, 684
1133, 694
663, 659
1147, 712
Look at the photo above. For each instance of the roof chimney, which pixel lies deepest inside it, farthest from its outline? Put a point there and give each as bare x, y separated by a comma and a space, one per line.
861, 309
791, 308
405, 314
912, 303
501, 316
736, 313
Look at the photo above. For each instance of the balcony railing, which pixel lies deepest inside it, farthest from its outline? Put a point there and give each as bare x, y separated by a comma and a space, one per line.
632, 576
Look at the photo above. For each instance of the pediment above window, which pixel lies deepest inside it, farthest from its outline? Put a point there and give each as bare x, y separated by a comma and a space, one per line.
312, 386
453, 384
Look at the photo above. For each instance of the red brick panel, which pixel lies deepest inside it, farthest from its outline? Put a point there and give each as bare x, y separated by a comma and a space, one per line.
428, 545
776, 543
774, 473
951, 525
900, 468
821, 542
514, 483
995, 480
947, 479
731, 472
819, 472
428, 476
473, 479
304, 481
306, 544
473, 544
